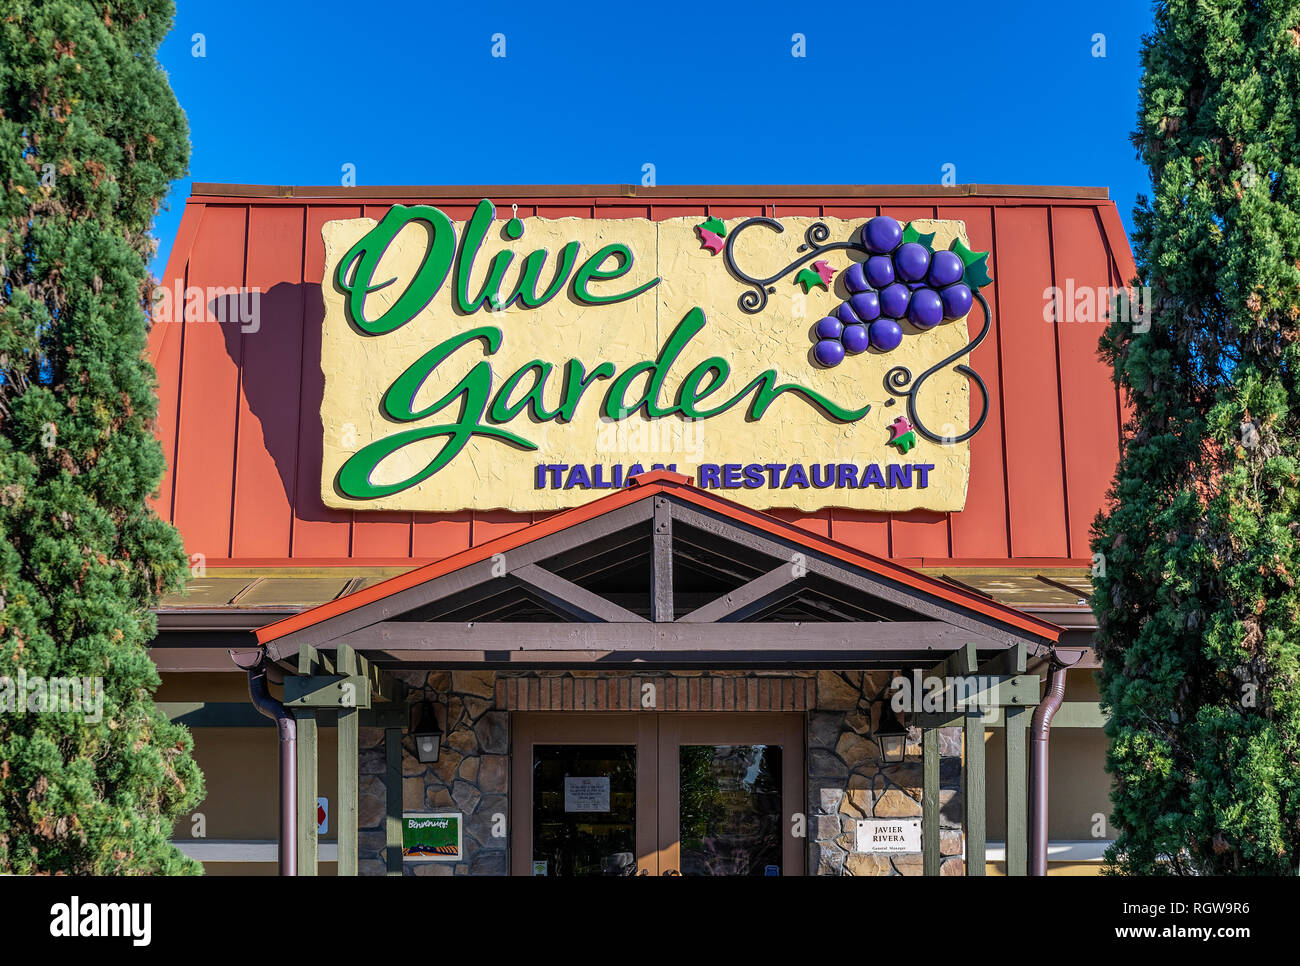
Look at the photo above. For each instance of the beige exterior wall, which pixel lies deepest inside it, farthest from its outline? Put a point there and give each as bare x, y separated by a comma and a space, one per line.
240, 765
1078, 797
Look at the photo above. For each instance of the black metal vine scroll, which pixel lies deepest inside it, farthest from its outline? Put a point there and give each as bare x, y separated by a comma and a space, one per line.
898, 380
755, 300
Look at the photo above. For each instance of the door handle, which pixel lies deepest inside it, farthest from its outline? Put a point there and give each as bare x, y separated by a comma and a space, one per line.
671, 872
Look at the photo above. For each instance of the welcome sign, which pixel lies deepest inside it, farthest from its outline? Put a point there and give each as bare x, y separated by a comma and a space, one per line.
532, 364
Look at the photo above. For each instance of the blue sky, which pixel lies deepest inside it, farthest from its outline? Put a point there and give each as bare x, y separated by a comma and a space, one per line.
1009, 92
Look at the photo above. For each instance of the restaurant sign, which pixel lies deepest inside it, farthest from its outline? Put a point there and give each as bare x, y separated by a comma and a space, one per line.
524, 363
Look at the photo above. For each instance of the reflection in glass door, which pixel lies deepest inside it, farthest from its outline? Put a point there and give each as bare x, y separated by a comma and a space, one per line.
730, 785
730, 809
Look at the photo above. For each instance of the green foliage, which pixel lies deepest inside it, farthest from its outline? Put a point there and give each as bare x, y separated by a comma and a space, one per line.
90, 137
1196, 593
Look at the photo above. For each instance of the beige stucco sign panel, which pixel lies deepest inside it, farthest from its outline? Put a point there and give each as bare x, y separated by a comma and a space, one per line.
489, 474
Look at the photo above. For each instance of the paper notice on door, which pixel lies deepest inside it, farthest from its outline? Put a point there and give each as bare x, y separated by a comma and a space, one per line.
586, 794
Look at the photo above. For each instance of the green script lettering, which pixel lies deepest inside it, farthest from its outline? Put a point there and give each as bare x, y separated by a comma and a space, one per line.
473, 390
357, 267
477, 402
355, 271
591, 269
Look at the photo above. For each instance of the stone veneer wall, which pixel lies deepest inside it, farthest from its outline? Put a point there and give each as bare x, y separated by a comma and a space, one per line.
846, 779
470, 775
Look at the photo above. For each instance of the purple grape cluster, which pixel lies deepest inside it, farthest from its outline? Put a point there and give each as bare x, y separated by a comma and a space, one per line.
899, 280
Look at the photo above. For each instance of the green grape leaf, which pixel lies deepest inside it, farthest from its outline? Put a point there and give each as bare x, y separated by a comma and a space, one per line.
809, 278
716, 226
910, 234
977, 267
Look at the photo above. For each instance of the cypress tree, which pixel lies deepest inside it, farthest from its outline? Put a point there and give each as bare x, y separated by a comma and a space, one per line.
90, 137
1196, 560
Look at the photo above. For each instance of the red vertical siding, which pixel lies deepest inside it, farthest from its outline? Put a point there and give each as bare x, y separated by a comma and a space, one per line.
317, 530
1030, 388
209, 399
1088, 403
862, 529
266, 471
165, 346
981, 529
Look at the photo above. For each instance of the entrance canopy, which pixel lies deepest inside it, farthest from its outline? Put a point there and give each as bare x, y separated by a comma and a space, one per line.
661, 573
658, 575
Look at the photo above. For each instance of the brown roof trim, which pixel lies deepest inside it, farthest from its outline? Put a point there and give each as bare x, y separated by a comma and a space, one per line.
209, 190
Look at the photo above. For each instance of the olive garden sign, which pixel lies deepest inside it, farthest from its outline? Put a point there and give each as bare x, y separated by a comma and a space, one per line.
523, 363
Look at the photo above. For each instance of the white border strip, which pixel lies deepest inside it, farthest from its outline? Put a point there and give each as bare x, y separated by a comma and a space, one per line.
244, 850
1063, 850
267, 850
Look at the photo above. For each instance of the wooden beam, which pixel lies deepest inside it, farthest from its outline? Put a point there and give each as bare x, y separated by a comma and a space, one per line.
393, 797
1013, 660
598, 555
853, 638
959, 663
348, 754
605, 660
744, 601
661, 566
571, 599
327, 691
305, 750
930, 800
382, 685
1071, 714
313, 662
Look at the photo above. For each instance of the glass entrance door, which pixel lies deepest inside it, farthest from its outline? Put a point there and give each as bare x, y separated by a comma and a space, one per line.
729, 786
656, 794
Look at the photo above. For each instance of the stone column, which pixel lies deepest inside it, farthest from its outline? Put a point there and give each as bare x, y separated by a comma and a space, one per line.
848, 781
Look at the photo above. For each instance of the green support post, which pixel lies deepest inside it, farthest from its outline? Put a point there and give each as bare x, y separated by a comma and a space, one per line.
973, 791
308, 849
1014, 736
348, 752
393, 790
930, 799
309, 662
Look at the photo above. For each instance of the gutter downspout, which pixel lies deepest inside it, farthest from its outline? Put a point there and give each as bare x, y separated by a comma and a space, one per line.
1040, 727
254, 662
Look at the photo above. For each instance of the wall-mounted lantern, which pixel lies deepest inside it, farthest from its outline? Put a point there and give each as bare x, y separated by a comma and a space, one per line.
424, 730
891, 735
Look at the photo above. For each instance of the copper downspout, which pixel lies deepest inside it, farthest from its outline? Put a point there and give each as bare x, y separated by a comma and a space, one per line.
1040, 727
255, 664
